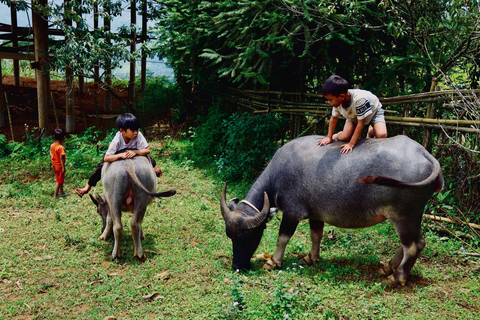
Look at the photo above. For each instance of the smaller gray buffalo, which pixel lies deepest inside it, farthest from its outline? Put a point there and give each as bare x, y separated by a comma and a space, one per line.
382, 179
129, 185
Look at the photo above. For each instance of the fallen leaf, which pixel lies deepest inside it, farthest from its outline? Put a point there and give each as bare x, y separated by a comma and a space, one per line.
48, 257
6, 281
37, 258
153, 296
151, 251
93, 282
110, 318
113, 274
19, 285
148, 285
263, 256
227, 281
162, 276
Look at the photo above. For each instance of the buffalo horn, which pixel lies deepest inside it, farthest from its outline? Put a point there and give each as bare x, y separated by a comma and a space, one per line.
255, 221
223, 202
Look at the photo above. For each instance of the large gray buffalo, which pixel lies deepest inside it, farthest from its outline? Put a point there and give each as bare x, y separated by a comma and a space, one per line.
382, 179
128, 185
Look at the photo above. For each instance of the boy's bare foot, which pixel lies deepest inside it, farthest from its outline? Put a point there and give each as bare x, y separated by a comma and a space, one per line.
158, 172
83, 191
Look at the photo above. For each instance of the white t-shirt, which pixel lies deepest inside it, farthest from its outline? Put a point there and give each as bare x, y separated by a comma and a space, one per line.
118, 143
363, 105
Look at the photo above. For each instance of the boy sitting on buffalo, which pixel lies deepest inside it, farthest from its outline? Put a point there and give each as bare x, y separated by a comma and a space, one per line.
359, 107
127, 143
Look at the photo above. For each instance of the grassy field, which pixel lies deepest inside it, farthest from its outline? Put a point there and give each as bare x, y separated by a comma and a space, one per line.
53, 267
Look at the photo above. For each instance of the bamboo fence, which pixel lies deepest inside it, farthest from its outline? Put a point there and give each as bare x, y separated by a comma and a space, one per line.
398, 109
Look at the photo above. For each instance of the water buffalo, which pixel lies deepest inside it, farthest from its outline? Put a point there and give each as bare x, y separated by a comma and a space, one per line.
129, 185
382, 179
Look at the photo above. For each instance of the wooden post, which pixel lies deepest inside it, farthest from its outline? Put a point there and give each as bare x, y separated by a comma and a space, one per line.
143, 71
107, 103
406, 113
430, 114
133, 48
69, 83
40, 39
16, 63
96, 69
2, 100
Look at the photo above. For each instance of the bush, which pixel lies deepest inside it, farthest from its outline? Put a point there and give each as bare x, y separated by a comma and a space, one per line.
249, 142
239, 146
207, 138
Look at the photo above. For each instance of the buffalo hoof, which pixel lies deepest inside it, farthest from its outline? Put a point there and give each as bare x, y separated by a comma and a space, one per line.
143, 258
394, 282
271, 265
101, 238
307, 260
385, 270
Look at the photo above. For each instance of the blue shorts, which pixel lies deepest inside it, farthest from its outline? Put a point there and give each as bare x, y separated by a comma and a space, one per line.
379, 116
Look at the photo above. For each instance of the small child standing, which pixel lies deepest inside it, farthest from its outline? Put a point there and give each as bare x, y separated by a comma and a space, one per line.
57, 154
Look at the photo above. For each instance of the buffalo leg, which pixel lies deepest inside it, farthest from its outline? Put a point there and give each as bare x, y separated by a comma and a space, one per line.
412, 245
116, 215
316, 234
107, 232
390, 267
287, 229
137, 233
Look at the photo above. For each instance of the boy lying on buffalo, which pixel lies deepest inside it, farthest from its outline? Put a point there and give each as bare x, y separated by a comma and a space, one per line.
127, 143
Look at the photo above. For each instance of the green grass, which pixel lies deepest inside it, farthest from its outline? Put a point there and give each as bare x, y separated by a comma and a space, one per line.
53, 267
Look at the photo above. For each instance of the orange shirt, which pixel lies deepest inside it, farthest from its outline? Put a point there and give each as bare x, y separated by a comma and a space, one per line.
57, 150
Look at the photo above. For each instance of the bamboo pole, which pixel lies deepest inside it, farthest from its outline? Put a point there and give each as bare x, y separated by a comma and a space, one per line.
55, 110
435, 126
435, 121
430, 112
443, 219
292, 110
9, 117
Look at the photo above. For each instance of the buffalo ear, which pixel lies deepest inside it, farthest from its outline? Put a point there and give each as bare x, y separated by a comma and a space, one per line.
272, 213
96, 198
232, 204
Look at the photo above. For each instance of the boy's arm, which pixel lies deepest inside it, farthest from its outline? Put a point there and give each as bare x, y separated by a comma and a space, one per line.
62, 161
129, 154
142, 152
331, 131
346, 148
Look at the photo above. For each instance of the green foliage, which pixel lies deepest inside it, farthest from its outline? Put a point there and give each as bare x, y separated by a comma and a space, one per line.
207, 137
161, 99
389, 47
239, 145
249, 142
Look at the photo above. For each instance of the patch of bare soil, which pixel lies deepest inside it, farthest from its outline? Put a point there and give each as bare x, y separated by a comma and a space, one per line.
23, 104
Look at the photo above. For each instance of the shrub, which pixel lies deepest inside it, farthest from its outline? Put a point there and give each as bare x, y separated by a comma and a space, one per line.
207, 138
238, 146
249, 142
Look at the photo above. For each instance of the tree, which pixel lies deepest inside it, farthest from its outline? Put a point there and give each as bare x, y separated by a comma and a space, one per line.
389, 46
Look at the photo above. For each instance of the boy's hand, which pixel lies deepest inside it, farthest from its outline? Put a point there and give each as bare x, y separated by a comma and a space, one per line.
129, 154
346, 148
324, 141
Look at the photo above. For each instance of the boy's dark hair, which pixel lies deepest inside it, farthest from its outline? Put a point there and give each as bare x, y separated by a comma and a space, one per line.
58, 134
128, 121
335, 85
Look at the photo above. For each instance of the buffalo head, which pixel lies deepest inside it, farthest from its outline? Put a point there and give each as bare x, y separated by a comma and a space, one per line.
245, 230
102, 207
